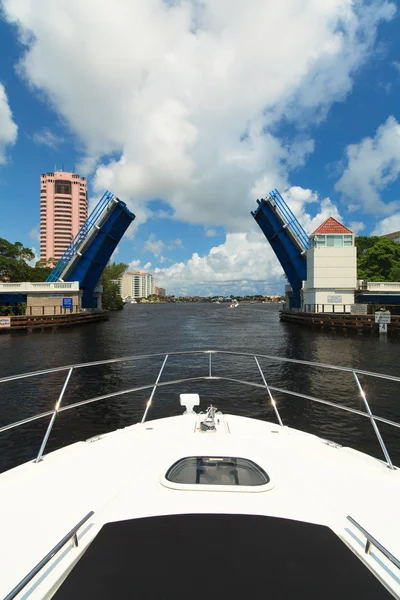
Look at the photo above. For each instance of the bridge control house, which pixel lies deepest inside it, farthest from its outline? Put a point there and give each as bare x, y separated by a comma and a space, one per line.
331, 269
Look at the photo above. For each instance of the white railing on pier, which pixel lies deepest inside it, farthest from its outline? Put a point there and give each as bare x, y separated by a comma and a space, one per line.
379, 286
39, 286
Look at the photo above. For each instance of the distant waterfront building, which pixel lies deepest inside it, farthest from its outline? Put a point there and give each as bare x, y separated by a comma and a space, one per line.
136, 284
395, 237
159, 291
63, 211
331, 269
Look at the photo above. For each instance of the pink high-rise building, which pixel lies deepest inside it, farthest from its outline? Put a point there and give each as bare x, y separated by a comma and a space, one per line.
63, 211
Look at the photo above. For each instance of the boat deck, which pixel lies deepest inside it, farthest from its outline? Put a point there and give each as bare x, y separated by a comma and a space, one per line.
121, 476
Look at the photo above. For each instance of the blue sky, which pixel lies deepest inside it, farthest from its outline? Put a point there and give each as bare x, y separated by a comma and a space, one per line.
190, 114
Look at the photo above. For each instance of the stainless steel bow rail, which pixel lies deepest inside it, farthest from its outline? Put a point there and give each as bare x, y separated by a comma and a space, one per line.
72, 535
371, 541
208, 376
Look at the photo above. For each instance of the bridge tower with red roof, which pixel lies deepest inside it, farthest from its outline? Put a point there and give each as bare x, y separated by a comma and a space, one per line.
331, 269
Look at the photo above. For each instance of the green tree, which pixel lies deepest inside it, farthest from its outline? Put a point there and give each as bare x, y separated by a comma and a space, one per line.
23, 254
394, 274
364, 243
42, 269
39, 273
111, 297
14, 265
13, 257
378, 259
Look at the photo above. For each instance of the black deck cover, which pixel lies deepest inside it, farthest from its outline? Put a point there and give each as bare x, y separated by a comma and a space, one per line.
219, 556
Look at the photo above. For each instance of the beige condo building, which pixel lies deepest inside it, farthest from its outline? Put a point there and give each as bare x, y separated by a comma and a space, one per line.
136, 284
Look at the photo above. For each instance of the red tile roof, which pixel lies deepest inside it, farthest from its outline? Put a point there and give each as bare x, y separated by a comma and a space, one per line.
330, 225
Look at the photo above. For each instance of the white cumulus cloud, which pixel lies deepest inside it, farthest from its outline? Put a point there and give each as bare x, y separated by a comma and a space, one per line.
153, 245
8, 128
134, 265
35, 233
157, 247
388, 225
46, 137
357, 226
187, 96
299, 200
372, 165
177, 243
245, 262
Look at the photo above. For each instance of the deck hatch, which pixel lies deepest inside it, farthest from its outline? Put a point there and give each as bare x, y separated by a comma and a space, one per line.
219, 470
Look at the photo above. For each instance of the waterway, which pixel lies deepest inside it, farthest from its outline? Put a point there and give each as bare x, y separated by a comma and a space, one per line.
158, 328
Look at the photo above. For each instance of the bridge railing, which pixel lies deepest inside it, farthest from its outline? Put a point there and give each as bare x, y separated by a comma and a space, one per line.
291, 222
81, 236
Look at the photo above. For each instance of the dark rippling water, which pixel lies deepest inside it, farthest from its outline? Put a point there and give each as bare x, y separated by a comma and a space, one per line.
145, 329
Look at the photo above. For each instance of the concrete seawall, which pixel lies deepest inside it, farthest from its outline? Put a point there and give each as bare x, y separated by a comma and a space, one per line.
40, 322
339, 322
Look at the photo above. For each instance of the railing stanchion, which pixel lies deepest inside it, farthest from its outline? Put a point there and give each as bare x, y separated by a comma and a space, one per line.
209, 365
371, 541
53, 417
153, 390
373, 423
269, 393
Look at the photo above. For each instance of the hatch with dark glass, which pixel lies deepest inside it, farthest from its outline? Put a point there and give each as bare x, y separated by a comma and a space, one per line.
219, 470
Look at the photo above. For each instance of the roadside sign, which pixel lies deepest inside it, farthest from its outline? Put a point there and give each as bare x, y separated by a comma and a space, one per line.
382, 317
67, 303
359, 309
334, 299
5, 322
